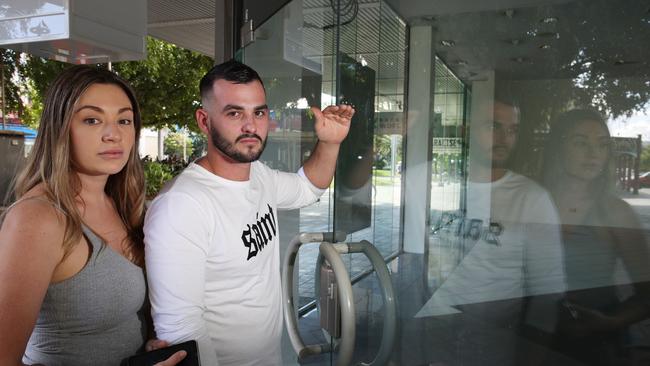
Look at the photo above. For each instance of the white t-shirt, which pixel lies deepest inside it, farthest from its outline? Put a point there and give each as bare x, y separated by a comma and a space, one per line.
510, 235
213, 262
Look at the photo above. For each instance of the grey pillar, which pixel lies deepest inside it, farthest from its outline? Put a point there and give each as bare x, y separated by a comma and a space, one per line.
417, 173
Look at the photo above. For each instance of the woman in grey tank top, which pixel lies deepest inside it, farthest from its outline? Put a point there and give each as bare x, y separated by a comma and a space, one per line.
600, 231
72, 286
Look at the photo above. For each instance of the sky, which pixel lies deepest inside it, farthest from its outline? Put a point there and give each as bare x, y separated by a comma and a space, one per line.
632, 126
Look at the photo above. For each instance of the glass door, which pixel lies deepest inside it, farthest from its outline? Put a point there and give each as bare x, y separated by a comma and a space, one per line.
318, 53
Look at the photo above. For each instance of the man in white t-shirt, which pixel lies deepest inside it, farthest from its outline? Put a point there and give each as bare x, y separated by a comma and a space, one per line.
510, 247
211, 236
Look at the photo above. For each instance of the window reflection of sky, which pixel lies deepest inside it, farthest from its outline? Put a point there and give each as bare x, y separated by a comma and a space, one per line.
637, 124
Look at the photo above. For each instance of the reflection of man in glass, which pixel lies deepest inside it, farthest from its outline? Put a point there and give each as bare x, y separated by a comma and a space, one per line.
509, 242
493, 142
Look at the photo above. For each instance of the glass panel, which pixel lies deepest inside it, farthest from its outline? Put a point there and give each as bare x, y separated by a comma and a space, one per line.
536, 246
305, 59
518, 133
448, 183
373, 38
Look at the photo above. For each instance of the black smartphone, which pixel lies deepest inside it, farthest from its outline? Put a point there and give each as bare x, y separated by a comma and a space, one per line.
153, 357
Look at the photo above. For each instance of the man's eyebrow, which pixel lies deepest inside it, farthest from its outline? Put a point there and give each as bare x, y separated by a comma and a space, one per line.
233, 106
240, 108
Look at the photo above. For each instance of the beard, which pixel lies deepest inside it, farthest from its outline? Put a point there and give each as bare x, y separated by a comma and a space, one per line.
228, 148
501, 157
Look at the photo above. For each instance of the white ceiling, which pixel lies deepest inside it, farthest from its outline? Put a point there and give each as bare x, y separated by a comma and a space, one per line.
189, 24
502, 35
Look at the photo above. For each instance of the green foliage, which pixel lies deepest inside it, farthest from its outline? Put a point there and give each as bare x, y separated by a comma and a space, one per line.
156, 173
200, 145
382, 149
174, 145
32, 115
166, 84
40, 73
9, 61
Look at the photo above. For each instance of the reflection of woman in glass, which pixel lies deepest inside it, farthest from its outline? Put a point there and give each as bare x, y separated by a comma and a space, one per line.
599, 229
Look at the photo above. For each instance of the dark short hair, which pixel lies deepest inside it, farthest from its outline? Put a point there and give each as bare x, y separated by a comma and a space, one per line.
233, 71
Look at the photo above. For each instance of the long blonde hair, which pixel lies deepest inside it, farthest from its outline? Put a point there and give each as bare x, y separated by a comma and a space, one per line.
50, 161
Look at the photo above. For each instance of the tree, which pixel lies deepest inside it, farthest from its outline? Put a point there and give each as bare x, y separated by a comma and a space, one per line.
174, 145
382, 151
35, 75
165, 83
9, 61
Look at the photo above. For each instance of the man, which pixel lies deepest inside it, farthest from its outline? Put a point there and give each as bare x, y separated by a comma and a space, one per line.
510, 247
211, 236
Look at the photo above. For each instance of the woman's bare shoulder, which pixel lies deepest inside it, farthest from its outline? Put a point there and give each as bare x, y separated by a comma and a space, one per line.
34, 214
619, 212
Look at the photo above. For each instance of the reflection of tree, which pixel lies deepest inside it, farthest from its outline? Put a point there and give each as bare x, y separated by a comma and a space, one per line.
599, 58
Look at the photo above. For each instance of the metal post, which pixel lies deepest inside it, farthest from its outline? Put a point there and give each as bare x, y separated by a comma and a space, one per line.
2, 70
637, 163
184, 144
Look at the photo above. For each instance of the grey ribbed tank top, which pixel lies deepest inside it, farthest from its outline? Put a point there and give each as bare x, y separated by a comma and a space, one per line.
93, 318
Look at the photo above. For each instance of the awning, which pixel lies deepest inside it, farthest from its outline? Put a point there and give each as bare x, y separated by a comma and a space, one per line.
30, 134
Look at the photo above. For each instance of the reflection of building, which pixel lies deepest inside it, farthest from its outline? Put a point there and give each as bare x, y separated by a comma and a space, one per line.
627, 158
283, 149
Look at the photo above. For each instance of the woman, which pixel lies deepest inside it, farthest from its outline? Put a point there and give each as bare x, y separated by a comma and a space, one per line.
72, 287
599, 229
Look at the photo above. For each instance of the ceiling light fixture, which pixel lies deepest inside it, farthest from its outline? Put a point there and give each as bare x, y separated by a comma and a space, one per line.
547, 35
520, 60
548, 20
624, 62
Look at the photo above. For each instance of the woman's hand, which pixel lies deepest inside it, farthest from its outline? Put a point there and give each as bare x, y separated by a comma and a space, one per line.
173, 359
585, 321
154, 344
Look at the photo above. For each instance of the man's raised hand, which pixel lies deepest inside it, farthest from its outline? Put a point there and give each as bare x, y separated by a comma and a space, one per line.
333, 123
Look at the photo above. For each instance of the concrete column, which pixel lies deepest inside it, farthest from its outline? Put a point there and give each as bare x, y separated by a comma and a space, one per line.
482, 110
417, 168
223, 30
